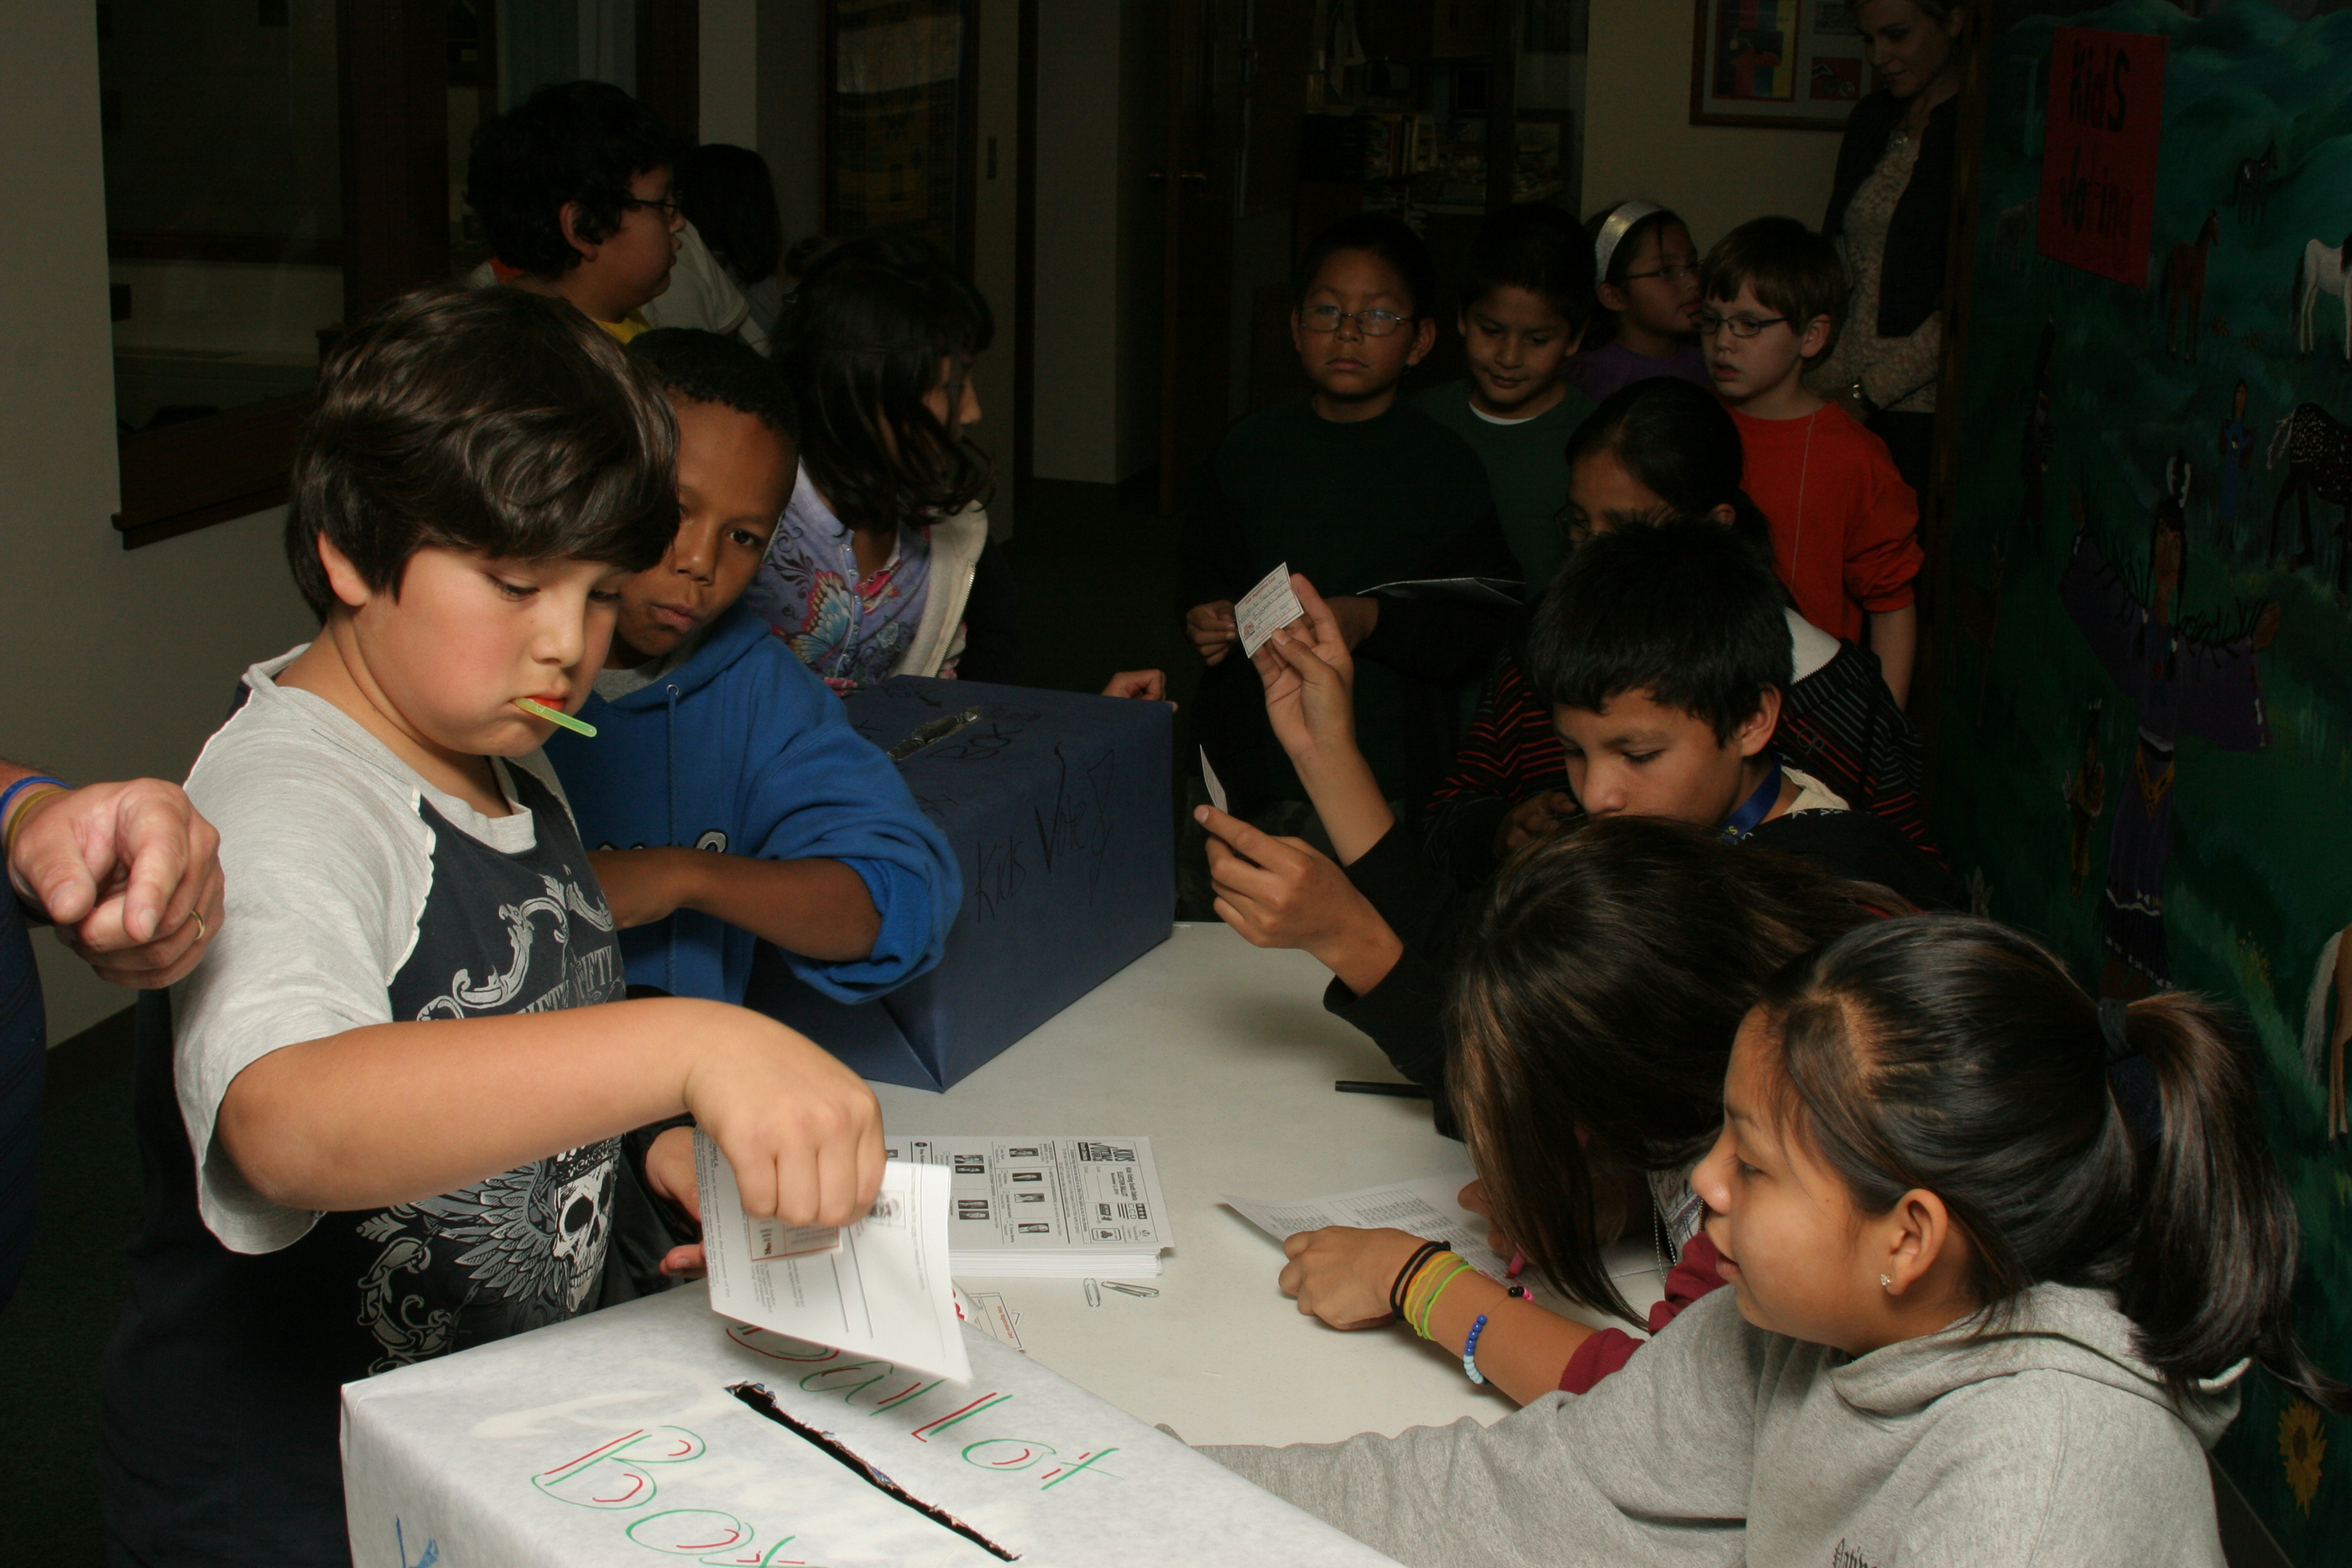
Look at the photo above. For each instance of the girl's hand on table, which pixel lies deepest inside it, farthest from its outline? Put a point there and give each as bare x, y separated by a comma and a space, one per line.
1474, 1198
1343, 1275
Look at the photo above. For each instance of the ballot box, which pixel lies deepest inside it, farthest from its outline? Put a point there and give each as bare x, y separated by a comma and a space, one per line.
1058, 808
658, 1431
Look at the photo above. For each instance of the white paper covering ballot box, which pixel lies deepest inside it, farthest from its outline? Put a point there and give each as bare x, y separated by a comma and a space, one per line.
616, 1440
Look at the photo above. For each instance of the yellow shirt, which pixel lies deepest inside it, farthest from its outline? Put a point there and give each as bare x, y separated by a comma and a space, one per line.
627, 327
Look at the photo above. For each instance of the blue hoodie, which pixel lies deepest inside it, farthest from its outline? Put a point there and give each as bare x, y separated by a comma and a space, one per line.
743, 750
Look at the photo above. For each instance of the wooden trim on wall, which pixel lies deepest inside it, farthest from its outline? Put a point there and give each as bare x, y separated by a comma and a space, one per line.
187, 477
1024, 256
395, 114
669, 63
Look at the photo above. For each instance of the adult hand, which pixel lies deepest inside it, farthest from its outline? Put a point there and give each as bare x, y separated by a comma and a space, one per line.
1536, 818
1310, 679
1343, 1275
1283, 892
129, 872
1213, 629
1149, 685
802, 1133
1474, 1198
641, 887
669, 1171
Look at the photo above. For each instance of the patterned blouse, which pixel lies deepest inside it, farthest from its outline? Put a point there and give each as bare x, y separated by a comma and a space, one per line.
1899, 374
851, 631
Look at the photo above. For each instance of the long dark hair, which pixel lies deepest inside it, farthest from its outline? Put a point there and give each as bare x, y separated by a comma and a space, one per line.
860, 346
1680, 443
1593, 1015
1959, 1057
730, 195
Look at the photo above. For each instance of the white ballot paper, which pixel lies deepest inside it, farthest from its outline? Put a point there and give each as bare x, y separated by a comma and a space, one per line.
881, 1290
653, 1432
1216, 785
1425, 1208
1266, 608
1047, 1206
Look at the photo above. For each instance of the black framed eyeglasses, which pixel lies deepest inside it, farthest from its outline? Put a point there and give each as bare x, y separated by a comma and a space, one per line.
670, 210
1370, 323
1708, 324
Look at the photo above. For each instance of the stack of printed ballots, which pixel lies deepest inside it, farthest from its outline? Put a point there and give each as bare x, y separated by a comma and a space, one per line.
1040, 1208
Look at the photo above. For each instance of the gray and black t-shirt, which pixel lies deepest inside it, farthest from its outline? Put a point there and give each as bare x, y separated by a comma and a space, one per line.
357, 894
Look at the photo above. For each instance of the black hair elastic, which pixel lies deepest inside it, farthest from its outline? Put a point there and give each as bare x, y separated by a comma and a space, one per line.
2131, 1076
1427, 1250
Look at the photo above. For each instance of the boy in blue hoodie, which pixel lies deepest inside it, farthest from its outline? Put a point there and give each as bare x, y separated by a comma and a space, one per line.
726, 794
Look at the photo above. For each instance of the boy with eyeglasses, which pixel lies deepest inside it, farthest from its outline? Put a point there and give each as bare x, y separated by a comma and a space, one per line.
1353, 488
574, 194
1844, 524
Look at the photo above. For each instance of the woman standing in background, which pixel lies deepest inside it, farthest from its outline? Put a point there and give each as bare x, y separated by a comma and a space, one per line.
1890, 214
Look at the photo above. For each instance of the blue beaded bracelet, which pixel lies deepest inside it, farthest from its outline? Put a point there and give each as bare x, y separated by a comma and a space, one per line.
1470, 1351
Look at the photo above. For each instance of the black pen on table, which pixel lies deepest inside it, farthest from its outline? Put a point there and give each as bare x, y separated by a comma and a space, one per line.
1366, 1086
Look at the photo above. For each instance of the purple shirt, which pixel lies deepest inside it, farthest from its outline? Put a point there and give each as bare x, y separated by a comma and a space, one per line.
1600, 374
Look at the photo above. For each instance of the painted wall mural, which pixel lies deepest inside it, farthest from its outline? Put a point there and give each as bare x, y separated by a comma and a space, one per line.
2146, 739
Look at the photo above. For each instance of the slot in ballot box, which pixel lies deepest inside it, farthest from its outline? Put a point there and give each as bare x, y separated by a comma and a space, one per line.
1059, 810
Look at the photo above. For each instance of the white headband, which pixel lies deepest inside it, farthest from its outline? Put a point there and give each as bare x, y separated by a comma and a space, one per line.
1613, 233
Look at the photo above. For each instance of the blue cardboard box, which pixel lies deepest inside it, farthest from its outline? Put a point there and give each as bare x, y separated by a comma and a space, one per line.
1058, 805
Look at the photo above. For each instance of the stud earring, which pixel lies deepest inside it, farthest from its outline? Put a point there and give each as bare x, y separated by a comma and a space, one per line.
1886, 1283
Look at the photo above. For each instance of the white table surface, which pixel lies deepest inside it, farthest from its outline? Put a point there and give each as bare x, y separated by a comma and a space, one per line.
1222, 1054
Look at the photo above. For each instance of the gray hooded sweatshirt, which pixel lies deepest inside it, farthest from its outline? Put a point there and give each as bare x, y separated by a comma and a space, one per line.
2046, 1441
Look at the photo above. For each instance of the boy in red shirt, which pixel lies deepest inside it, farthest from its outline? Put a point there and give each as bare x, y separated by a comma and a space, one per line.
1844, 522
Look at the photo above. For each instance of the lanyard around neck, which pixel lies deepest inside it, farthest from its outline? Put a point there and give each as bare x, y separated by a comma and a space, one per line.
1757, 807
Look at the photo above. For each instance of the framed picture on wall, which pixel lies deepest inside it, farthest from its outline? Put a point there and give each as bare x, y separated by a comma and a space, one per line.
899, 120
1794, 63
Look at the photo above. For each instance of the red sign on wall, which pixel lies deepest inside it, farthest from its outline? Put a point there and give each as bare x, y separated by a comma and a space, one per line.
2098, 151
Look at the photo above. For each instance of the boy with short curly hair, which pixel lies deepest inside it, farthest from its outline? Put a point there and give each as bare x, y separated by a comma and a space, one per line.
573, 192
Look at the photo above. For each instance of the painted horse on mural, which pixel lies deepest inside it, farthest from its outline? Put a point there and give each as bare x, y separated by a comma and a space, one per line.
2317, 447
2322, 270
2183, 295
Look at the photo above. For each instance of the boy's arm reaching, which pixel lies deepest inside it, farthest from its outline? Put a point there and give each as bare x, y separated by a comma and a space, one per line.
818, 908
367, 1118
1895, 638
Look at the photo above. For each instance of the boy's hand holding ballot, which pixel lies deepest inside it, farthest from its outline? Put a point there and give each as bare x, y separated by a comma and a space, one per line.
1281, 893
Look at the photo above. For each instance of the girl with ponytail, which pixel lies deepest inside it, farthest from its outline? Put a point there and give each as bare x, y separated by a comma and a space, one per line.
1999, 1256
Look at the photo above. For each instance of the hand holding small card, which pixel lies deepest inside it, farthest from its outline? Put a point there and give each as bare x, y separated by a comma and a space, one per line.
1267, 608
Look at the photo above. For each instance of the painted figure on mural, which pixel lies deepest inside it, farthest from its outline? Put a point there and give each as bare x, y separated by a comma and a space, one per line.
2041, 434
2178, 682
2237, 457
2328, 1027
2086, 799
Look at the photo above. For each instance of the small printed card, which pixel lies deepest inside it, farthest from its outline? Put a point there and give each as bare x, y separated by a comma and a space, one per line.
1216, 785
1267, 608
773, 1238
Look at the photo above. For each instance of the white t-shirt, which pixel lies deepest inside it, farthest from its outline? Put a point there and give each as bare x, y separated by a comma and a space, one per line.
358, 894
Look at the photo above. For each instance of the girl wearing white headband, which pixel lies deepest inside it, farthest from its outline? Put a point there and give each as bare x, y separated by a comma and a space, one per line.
1646, 271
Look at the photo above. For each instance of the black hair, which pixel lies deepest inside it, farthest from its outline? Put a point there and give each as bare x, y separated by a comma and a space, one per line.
1683, 610
1793, 271
1957, 1057
1384, 235
571, 141
714, 367
1620, 260
1538, 248
494, 421
1594, 1011
1678, 442
731, 199
859, 346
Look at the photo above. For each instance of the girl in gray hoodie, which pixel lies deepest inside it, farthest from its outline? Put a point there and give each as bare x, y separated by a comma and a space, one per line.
1998, 1256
